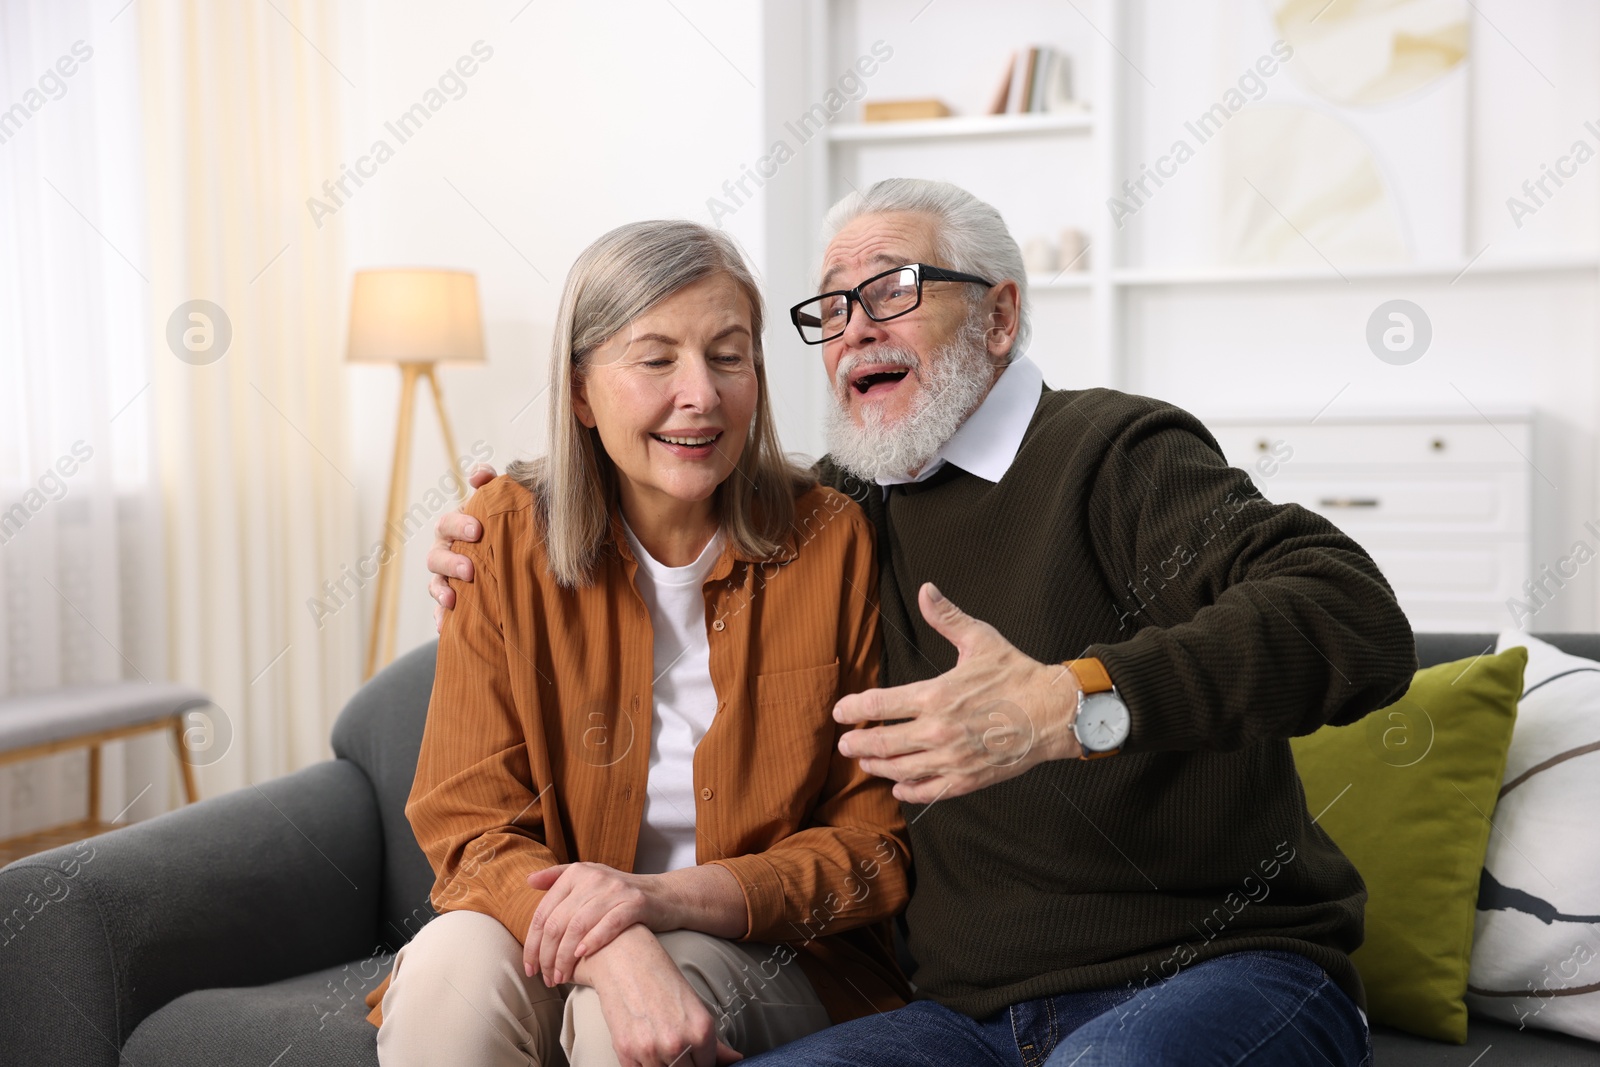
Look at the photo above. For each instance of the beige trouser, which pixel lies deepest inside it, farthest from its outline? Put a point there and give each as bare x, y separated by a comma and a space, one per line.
458, 996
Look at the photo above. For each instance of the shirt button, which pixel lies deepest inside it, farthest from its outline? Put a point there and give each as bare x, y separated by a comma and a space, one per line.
627, 792
705, 794
719, 626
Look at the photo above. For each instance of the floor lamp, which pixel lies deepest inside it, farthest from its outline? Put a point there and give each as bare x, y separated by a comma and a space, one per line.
417, 319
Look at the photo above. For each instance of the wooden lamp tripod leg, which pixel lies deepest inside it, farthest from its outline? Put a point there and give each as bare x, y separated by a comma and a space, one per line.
386, 606
449, 440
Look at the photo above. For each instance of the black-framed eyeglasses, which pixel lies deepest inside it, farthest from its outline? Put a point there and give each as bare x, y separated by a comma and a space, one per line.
885, 296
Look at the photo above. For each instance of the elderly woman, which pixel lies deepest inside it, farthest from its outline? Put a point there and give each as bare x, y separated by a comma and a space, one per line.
648, 849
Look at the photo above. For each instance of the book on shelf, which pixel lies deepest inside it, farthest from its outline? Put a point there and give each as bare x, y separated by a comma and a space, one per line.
903, 110
1002, 94
1022, 88
1037, 80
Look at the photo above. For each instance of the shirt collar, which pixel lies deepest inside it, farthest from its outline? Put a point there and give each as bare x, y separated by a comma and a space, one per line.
988, 441
725, 559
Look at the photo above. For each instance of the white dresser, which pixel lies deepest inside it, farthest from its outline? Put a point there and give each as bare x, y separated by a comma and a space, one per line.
1442, 503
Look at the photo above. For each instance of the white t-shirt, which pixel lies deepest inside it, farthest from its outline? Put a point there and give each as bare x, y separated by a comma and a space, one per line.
685, 703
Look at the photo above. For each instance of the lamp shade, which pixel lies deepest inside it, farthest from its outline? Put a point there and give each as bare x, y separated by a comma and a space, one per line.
414, 316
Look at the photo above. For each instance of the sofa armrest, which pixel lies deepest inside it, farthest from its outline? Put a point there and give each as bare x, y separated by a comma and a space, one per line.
247, 888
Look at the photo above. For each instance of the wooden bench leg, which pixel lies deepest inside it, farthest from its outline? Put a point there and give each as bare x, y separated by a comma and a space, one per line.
94, 783
190, 794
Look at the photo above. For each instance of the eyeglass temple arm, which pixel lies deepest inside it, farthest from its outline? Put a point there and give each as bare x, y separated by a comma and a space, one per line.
939, 274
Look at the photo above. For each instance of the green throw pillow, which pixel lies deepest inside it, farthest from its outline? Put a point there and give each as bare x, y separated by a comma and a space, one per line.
1407, 794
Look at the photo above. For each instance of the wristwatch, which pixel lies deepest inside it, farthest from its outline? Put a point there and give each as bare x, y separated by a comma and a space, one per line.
1102, 722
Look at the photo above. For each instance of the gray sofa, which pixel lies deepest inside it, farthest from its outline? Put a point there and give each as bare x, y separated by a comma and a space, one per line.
246, 929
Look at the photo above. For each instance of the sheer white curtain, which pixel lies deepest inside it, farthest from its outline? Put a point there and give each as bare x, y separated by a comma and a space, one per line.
240, 128
80, 562
167, 512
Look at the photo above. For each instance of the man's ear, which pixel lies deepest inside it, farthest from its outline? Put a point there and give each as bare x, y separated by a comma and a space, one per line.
1003, 317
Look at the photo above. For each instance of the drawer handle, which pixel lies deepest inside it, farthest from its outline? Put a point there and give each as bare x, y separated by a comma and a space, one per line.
1349, 502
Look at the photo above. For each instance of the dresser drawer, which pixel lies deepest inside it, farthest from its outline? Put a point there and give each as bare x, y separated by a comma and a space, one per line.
1435, 572
1434, 445
1442, 504
1371, 501
1461, 617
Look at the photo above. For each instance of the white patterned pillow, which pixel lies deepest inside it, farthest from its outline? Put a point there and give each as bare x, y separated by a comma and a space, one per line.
1536, 951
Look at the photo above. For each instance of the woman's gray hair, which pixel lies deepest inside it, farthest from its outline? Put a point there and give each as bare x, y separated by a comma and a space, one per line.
971, 235
615, 280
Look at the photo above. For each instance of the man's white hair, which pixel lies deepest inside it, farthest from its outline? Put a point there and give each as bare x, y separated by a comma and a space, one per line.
970, 234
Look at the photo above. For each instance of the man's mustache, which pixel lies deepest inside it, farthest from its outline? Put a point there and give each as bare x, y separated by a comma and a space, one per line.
893, 357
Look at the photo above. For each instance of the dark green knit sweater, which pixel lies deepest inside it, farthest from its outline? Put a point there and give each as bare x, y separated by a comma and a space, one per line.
1229, 624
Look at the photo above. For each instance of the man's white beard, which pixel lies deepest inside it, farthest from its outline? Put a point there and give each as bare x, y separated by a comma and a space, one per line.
953, 384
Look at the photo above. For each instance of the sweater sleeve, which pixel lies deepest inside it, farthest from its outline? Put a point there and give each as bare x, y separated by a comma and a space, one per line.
851, 865
1240, 620
473, 807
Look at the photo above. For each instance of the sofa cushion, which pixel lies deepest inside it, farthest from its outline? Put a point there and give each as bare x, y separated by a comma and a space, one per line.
314, 1020
246, 888
1536, 956
380, 731
1434, 648
1489, 1044
1406, 793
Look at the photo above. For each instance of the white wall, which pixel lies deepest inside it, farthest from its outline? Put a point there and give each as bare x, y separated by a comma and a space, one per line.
585, 117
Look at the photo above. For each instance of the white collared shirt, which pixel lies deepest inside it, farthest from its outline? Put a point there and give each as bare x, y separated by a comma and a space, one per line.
987, 443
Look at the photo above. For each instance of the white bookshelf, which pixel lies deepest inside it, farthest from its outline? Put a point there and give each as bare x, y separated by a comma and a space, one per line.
998, 157
963, 127
1448, 273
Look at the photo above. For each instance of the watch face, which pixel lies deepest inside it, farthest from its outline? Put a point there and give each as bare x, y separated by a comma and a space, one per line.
1102, 723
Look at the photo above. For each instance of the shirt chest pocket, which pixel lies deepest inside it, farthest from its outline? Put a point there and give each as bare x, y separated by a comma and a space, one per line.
794, 731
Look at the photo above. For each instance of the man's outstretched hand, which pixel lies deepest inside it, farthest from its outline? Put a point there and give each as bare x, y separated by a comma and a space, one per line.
994, 715
453, 526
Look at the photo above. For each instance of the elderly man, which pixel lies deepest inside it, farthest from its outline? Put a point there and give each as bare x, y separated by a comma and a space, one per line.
1098, 640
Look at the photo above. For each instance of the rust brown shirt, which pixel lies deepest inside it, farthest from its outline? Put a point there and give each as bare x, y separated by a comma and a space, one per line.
537, 744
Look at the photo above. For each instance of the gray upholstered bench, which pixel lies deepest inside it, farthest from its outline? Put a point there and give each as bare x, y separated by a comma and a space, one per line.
88, 716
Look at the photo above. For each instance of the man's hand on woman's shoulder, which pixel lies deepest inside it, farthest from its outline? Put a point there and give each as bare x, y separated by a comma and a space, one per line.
444, 564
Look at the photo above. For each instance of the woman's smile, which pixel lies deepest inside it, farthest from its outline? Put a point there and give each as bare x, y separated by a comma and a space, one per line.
689, 444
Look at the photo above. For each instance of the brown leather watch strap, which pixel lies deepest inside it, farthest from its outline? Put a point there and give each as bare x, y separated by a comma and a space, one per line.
1091, 674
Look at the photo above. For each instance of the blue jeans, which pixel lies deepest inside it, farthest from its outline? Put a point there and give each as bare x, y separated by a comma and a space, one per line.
1258, 1008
